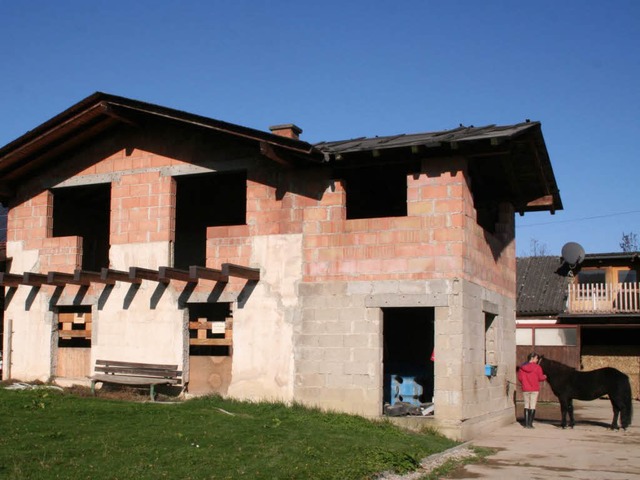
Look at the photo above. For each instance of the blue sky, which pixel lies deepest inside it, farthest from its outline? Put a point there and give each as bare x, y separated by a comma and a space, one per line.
361, 68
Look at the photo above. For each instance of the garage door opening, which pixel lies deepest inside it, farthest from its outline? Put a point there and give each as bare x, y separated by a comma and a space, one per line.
408, 348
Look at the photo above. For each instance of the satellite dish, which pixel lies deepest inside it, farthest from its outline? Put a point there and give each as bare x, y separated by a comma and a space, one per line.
573, 253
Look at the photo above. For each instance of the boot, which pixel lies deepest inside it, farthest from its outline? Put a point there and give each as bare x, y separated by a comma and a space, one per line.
526, 418
532, 414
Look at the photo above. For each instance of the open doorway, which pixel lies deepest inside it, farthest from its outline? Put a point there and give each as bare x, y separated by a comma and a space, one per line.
408, 348
210, 347
74, 341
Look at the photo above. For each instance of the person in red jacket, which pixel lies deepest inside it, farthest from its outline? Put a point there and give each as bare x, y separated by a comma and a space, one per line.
530, 375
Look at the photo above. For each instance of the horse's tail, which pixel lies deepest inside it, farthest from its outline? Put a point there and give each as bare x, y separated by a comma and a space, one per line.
627, 413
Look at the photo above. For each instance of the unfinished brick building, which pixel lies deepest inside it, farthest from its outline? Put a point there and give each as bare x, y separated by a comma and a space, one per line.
267, 267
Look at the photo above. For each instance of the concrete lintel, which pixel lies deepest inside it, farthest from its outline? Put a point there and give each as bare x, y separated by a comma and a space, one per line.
490, 307
407, 300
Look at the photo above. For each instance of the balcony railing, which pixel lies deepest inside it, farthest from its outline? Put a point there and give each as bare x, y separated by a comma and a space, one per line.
604, 298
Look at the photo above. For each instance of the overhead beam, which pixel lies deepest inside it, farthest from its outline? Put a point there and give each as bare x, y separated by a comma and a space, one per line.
118, 276
34, 279
10, 279
233, 270
267, 150
145, 274
61, 279
84, 276
197, 272
168, 273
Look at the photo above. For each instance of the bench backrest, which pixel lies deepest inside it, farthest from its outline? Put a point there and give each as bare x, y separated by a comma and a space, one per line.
138, 369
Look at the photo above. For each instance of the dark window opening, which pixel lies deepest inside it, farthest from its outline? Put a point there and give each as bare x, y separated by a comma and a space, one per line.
206, 200
610, 336
408, 348
210, 329
74, 327
84, 211
377, 191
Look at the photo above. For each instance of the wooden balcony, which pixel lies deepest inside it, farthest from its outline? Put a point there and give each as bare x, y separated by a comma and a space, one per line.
604, 298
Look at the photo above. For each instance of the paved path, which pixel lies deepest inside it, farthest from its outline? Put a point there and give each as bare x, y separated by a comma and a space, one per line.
590, 451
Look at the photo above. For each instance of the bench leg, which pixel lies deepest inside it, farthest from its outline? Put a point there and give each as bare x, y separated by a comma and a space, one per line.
152, 392
93, 387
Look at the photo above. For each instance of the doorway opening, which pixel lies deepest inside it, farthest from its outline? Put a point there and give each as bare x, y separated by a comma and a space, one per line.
74, 341
408, 338
210, 347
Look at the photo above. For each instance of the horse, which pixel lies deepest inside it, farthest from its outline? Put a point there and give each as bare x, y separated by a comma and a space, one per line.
568, 383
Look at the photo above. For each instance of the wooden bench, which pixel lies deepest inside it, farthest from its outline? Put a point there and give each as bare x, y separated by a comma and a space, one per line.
135, 374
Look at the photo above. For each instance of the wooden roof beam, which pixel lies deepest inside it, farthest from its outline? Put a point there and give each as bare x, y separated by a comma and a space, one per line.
168, 273
85, 276
197, 272
146, 274
61, 279
544, 201
10, 279
233, 270
34, 279
118, 276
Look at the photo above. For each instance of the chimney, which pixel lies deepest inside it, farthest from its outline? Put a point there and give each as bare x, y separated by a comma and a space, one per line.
288, 130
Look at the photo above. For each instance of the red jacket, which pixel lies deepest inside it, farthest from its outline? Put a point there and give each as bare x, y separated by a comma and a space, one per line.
530, 375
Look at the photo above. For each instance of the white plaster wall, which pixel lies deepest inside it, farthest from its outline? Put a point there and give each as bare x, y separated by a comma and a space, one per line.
139, 324
30, 337
22, 260
263, 324
146, 255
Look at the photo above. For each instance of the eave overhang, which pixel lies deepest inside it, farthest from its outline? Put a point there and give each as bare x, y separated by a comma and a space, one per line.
99, 112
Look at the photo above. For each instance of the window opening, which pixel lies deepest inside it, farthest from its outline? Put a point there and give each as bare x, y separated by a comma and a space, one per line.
376, 191
74, 327
490, 339
85, 212
408, 346
206, 200
210, 329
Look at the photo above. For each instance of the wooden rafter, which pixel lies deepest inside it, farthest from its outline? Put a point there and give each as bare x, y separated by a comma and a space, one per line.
196, 273
10, 279
61, 279
168, 273
233, 270
145, 274
118, 276
34, 279
84, 276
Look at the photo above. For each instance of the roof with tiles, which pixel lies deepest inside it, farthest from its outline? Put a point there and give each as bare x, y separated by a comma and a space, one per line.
541, 286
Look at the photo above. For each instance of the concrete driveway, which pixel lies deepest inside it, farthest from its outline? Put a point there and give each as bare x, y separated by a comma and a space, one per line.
590, 451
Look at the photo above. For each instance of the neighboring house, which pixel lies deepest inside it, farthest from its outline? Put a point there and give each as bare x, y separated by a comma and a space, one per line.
267, 267
587, 317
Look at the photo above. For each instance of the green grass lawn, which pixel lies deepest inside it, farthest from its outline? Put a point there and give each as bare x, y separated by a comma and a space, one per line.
46, 433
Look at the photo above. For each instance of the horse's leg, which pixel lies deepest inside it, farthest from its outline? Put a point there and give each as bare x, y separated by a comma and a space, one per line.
616, 413
572, 421
563, 412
